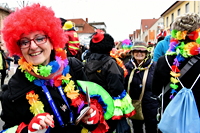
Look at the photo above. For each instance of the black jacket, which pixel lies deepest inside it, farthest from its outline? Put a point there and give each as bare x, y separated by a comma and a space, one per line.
15, 106
162, 78
149, 102
103, 70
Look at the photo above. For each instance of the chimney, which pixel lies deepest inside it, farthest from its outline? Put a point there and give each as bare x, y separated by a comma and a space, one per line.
86, 20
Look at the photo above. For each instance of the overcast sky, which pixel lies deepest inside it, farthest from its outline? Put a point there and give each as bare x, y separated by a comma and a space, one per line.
121, 17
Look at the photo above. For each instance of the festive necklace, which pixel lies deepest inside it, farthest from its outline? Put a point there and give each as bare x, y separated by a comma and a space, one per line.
139, 67
115, 55
56, 73
182, 51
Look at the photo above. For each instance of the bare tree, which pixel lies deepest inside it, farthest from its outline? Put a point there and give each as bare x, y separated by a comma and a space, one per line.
22, 3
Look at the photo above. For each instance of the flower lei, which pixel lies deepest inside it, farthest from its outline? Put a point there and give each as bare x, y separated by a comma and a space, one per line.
182, 51
114, 54
127, 44
45, 71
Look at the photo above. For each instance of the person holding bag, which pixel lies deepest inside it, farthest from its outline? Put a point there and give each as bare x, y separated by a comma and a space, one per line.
138, 82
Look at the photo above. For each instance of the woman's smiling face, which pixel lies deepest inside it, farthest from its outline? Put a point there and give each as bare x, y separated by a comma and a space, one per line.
36, 48
139, 55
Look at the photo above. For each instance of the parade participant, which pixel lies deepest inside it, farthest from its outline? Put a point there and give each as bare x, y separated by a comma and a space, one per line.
43, 95
2, 65
139, 63
161, 48
104, 70
73, 44
162, 32
184, 46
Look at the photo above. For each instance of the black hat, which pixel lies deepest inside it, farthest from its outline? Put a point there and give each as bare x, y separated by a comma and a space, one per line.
101, 43
63, 21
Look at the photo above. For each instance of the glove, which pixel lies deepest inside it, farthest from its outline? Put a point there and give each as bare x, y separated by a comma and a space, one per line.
94, 117
34, 125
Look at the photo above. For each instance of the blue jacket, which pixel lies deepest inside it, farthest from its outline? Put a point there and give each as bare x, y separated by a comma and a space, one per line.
161, 48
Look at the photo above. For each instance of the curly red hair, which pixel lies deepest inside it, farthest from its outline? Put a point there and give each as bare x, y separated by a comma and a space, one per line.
32, 18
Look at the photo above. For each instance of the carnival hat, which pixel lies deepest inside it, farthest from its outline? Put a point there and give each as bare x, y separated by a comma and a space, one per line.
139, 45
101, 43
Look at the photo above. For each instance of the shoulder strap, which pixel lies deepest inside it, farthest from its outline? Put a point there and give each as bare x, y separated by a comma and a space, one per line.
187, 66
143, 82
130, 79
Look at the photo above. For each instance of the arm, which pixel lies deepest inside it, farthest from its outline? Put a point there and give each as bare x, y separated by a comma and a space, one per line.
161, 76
158, 51
15, 121
114, 79
76, 69
8, 114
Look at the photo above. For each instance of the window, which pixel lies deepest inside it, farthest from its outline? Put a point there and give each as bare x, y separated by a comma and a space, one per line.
78, 28
172, 17
167, 23
179, 12
187, 8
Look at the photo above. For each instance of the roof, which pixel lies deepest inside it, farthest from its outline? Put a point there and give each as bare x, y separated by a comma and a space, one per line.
137, 32
97, 23
79, 22
5, 10
147, 23
171, 7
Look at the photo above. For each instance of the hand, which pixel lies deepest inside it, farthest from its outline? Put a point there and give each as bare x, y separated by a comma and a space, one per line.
92, 116
41, 122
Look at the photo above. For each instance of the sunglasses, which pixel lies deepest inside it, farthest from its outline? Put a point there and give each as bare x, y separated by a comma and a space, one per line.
139, 51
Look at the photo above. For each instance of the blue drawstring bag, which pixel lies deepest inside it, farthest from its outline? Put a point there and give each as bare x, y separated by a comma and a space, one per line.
181, 114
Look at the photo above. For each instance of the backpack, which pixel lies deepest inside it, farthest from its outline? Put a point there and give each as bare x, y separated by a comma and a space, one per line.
183, 71
181, 114
98, 75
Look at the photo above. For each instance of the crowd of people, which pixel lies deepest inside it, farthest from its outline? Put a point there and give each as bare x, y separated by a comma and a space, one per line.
56, 90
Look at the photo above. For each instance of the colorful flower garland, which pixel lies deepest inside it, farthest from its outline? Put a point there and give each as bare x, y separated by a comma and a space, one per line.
127, 44
43, 72
182, 51
36, 105
114, 53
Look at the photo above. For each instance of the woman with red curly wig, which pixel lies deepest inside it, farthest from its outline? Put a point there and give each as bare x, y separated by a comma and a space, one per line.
43, 95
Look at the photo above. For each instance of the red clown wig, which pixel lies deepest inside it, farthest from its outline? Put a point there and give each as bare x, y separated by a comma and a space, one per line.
28, 19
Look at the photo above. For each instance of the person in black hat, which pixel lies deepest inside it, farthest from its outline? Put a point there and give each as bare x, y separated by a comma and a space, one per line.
102, 69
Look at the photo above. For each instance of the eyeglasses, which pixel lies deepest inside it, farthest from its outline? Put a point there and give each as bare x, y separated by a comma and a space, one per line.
141, 51
26, 42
